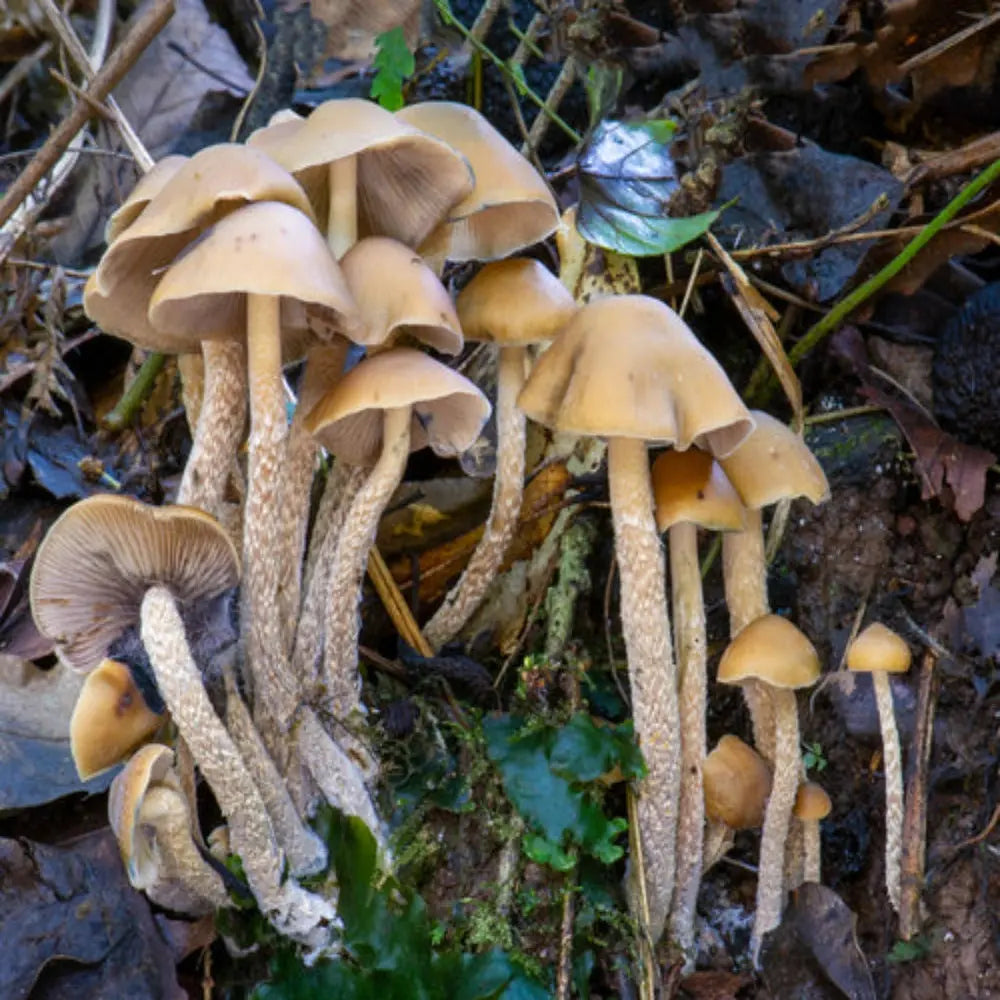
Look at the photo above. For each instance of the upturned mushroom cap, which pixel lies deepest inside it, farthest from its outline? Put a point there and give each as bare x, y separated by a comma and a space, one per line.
448, 410
690, 487
811, 802
214, 182
773, 650
146, 189
510, 207
514, 303
268, 248
737, 783
95, 564
773, 464
878, 648
418, 307
628, 366
406, 180
110, 719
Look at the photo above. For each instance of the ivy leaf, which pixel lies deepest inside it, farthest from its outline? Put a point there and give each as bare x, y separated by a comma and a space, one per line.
584, 751
393, 63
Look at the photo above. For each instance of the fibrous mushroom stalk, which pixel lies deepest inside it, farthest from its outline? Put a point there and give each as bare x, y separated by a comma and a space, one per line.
894, 806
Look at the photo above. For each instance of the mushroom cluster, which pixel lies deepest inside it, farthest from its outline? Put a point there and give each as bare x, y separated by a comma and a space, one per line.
232, 618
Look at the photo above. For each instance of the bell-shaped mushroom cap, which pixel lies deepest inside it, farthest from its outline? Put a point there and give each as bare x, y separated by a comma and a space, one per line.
146, 189
770, 649
151, 764
398, 295
811, 802
213, 183
510, 207
110, 719
878, 648
737, 784
448, 410
690, 488
628, 366
773, 464
268, 248
514, 303
407, 180
95, 564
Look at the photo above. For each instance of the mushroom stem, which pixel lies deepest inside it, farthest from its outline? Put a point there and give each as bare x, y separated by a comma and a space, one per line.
342, 221
795, 855
508, 490
689, 638
777, 817
652, 676
293, 911
744, 571
811, 852
892, 756
275, 693
219, 431
719, 840
355, 539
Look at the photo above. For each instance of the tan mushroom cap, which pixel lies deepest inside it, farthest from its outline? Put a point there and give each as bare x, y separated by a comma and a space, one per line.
407, 180
99, 557
737, 784
879, 648
514, 303
773, 650
811, 802
268, 248
419, 305
149, 185
213, 183
690, 487
510, 207
109, 721
448, 410
773, 464
628, 366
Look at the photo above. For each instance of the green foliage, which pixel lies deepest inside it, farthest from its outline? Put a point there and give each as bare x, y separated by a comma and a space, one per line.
392, 949
545, 771
909, 951
393, 64
813, 758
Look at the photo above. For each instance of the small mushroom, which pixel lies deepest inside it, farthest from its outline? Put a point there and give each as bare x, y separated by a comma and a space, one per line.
773, 651
879, 651
691, 492
512, 304
110, 719
812, 804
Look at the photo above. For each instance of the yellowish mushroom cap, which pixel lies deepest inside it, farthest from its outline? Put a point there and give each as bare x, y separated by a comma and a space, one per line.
629, 366
510, 207
811, 802
773, 650
773, 464
514, 303
109, 721
690, 487
737, 784
448, 410
879, 648
96, 562
146, 189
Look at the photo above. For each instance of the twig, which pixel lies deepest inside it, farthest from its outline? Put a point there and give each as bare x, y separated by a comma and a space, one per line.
915, 816
21, 69
135, 395
692, 279
929, 54
120, 62
395, 604
977, 838
560, 86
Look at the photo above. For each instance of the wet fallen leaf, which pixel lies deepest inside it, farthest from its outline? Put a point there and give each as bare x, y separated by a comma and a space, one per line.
714, 986
940, 460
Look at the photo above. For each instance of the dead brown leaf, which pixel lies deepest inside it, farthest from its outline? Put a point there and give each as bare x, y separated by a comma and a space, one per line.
714, 985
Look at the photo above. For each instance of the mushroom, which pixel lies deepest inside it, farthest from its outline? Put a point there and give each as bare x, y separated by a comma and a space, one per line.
773, 464
737, 783
774, 652
110, 719
879, 651
513, 304
691, 492
232, 283
149, 185
109, 563
149, 815
812, 804
391, 404
628, 368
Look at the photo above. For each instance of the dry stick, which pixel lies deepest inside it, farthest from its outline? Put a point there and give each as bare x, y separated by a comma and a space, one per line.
119, 63
915, 816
